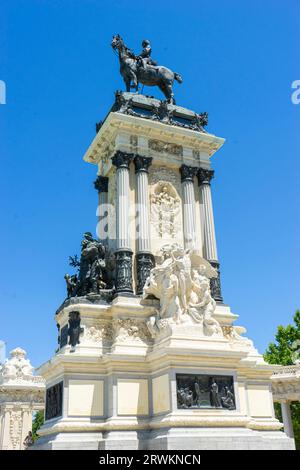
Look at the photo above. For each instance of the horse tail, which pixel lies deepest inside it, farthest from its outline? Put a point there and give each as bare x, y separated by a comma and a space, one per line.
178, 77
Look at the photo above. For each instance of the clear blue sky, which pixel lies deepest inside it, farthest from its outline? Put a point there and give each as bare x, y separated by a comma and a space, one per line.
238, 60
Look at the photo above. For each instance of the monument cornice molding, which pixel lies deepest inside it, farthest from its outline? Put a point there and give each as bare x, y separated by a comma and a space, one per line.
222, 418
103, 145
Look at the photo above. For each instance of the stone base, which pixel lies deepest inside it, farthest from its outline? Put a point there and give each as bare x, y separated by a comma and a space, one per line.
169, 439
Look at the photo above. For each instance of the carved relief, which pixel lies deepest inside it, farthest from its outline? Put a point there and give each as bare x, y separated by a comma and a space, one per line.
204, 391
182, 284
54, 401
165, 147
103, 331
165, 209
15, 429
128, 328
133, 141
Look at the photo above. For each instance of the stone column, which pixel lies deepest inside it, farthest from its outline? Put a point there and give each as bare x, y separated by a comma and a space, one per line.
188, 201
286, 418
123, 253
144, 258
208, 229
101, 185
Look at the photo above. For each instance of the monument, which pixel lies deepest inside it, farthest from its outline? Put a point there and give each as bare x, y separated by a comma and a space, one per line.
21, 393
148, 353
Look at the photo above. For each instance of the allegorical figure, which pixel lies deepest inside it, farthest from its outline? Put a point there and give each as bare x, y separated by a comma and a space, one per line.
74, 329
228, 400
92, 272
214, 395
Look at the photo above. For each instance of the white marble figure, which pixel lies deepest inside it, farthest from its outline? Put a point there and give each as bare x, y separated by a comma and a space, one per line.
202, 305
183, 291
165, 206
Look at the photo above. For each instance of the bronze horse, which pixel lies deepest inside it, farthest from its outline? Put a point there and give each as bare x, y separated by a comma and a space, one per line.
151, 75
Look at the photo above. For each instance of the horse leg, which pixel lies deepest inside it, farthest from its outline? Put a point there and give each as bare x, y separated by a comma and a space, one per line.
127, 84
134, 82
162, 87
167, 90
170, 94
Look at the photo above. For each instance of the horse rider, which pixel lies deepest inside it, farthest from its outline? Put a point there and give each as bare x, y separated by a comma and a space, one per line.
145, 56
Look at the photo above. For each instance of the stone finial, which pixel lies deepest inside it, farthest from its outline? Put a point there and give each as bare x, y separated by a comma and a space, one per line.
16, 368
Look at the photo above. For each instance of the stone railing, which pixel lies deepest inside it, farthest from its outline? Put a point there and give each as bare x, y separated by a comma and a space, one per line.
286, 371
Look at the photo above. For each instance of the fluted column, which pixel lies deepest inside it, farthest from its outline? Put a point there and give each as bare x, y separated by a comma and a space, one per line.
144, 258
208, 228
123, 253
188, 201
101, 185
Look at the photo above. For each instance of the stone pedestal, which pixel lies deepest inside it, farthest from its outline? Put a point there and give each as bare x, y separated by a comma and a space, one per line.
167, 369
21, 393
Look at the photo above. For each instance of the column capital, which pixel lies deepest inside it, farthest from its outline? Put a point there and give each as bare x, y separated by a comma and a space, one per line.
122, 159
142, 163
101, 184
205, 176
187, 172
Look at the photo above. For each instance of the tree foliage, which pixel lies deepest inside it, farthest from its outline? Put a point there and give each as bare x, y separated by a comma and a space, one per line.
284, 351
38, 421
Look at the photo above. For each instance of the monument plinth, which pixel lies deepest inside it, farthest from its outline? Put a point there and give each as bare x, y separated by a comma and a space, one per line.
149, 356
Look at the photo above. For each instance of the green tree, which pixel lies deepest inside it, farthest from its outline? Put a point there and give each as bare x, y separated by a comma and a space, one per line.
38, 421
283, 352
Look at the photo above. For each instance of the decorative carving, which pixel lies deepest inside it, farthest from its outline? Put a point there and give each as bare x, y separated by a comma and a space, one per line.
187, 173
101, 184
205, 176
17, 368
128, 328
165, 209
103, 331
165, 147
205, 391
144, 263
200, 120
122, 159
124, 271
15, 428
142, 163
127, 103
98, 126
54, 397
184, 293
134, 141
74, 330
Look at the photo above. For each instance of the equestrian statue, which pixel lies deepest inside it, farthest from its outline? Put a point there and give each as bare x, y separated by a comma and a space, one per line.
142, 69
